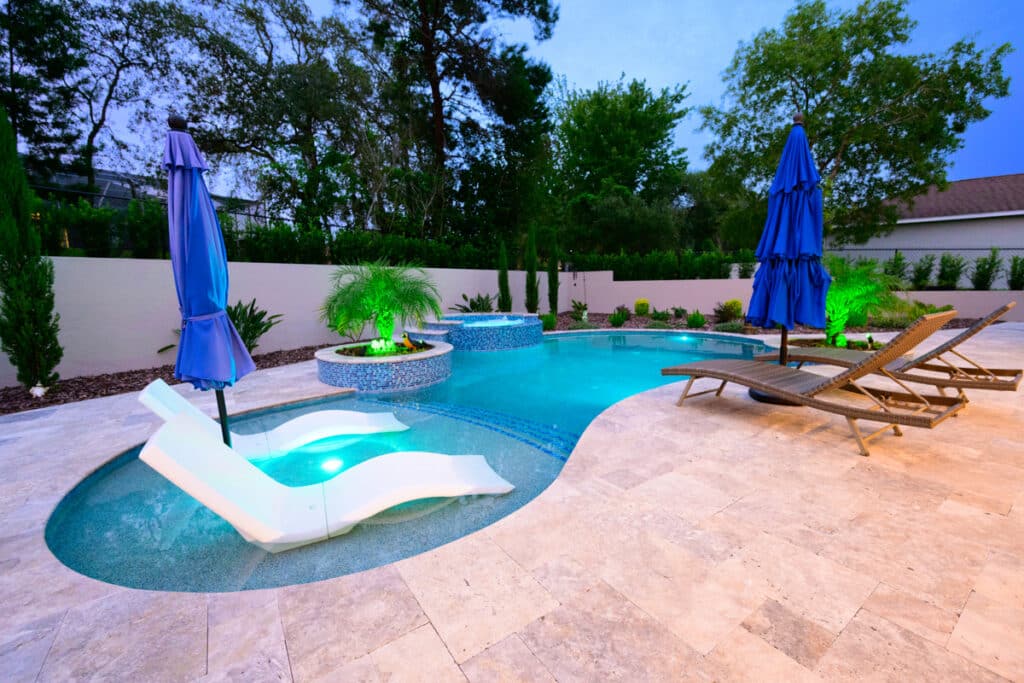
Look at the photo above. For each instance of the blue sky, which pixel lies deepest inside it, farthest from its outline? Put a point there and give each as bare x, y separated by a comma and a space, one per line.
667, 42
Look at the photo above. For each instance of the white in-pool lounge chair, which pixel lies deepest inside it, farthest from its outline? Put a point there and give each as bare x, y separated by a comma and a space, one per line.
278, 517
166, 402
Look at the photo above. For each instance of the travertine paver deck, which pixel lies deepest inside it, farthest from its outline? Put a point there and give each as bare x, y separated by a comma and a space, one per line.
724, 540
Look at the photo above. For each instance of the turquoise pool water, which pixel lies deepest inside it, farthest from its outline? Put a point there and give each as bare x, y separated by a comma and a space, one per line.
522, 409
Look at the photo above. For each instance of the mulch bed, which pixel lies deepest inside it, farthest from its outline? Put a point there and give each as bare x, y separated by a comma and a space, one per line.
15, 399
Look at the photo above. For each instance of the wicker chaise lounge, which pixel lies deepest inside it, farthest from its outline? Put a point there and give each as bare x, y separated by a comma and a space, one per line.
947, 374
907, 407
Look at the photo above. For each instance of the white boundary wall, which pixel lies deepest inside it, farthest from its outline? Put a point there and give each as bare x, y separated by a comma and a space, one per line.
116, 313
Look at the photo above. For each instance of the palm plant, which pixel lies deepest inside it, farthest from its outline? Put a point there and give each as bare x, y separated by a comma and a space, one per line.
857, 289
378, 294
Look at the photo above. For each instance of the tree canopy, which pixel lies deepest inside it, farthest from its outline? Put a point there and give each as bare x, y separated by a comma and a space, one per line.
881, 121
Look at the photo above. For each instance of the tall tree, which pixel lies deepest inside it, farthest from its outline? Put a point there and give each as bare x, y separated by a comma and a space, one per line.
619, 173
278, 88
881, 121
41, 47
127, 46
446, 47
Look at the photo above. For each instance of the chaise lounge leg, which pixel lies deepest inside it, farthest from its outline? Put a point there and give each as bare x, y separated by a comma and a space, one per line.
856, 434
720, 387
682, 396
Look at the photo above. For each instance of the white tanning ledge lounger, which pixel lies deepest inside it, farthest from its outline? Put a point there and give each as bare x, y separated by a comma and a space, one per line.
166, 402
278, 517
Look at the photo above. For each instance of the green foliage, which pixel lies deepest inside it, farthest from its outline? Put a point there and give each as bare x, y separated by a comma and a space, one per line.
882, 120
661, 316
530, 263
856, 290
618, 318
548, 321
734, 326
579, 310
96, 228
897, 313
624, 311
951, 269
658, 325
145, 226
896, 267
921, 275
746, 269
1015, 277
641, 306
695, 320
553, 277
679, 311
481, 303
28, 325
251, 322
582, 325
377, 294
729, 311
504, 294
986, 270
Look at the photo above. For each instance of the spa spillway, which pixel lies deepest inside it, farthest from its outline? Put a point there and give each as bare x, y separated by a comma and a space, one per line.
483, 331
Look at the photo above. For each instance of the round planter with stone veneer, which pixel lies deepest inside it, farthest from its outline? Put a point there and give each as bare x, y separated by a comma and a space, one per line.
384, 373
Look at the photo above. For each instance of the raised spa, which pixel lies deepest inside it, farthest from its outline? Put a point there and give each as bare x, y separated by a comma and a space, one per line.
483, 331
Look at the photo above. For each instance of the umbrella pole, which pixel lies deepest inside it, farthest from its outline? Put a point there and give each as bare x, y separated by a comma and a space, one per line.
222, 411
783, 351
762, 397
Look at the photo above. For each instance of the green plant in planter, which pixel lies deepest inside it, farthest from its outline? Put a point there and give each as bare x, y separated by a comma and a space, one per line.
641, 306
660, 316
679, 312
617, 319
251, 322
624, 311
729, 311
734, 326
481, 303
658, 325
951, 268
986, 270
579, 310
856, 290
695, 320
378, 294
921, 274
548, 321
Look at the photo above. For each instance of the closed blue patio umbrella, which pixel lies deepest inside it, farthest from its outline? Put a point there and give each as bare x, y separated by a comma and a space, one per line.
211, 355
791, 284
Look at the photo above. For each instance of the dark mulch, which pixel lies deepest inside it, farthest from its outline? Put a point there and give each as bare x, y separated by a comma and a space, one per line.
15, 399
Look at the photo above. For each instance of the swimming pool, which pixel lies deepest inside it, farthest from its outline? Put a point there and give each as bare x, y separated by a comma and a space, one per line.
522, 409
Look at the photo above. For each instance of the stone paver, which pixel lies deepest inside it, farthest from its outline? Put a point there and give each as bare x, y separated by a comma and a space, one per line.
725, 540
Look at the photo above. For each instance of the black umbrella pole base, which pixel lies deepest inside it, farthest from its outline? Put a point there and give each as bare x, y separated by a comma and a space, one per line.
769, 398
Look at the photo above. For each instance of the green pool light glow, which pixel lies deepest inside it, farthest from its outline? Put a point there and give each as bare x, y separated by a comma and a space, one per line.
331, 464
380, 347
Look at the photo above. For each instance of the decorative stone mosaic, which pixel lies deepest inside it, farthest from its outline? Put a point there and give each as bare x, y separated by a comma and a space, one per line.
388, 373
523, 329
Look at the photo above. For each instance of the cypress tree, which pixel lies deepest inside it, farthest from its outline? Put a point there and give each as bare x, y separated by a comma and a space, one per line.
28, 325
553, 276
504, 295
530, 261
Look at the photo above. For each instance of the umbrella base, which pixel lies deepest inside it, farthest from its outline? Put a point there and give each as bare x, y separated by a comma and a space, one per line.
769, 398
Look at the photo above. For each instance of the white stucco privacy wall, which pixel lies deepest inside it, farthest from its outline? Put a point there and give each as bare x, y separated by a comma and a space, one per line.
116, 313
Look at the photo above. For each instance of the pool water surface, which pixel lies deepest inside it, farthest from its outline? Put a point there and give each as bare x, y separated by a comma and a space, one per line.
522, 409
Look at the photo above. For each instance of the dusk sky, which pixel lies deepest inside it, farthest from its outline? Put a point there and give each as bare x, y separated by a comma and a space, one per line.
667, 42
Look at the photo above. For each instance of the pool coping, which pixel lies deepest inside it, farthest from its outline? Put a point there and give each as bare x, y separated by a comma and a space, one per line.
485, 598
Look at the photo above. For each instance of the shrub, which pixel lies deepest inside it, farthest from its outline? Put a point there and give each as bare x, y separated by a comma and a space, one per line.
729, 311
1015, 279
679, 311
734, 326
747, 263
898, 313
377, 293
530, 262
145, 224
548, 321
986, 270
857, 289
618, 319
896, 267
553, 277
504, 294
641, 306
481, 303
579, 310
746, 270
660, 316
658, 325
29, 327
695, 320
251, 322
951, 268
624, 311
582, 325
921, 276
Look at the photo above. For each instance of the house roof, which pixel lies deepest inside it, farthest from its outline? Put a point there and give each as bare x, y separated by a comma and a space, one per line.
999, 194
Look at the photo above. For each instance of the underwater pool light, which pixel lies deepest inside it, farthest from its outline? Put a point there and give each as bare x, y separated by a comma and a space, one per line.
331, 464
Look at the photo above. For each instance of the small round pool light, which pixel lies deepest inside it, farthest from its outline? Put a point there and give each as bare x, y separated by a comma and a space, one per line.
331, 464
